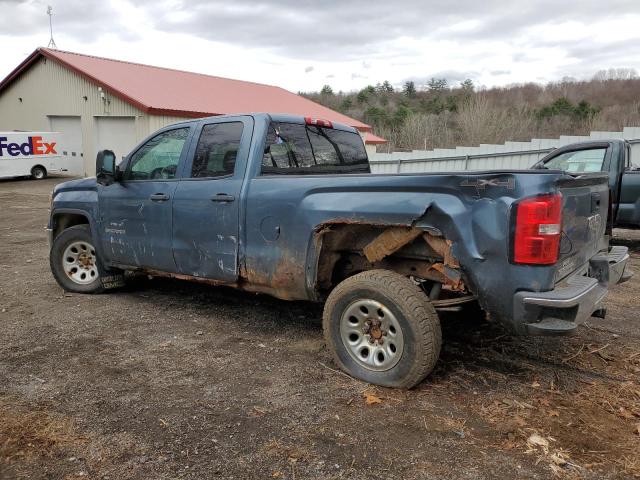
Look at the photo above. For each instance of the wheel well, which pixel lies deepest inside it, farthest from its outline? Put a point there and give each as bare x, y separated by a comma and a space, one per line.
348, 249
62, 221
39, 166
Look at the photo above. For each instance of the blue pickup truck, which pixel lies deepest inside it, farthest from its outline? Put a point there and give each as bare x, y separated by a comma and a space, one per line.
287, 206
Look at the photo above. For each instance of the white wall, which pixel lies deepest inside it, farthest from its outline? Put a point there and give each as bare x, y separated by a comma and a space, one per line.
510, 155
117, 134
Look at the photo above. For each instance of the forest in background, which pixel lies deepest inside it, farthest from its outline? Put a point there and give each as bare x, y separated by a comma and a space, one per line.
441, 115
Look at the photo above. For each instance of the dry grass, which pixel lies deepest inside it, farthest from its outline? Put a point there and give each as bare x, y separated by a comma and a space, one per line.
589, 424
28, 433
291, 452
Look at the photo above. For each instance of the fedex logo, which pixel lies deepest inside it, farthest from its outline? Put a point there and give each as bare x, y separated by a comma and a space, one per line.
33, 146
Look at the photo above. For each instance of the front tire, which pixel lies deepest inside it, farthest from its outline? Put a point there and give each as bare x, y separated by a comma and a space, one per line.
74, 262
381, 328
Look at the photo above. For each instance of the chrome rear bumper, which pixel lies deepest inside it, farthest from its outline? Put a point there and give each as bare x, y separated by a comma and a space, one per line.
561, 310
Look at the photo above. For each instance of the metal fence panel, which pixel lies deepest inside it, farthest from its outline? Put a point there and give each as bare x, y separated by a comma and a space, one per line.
508, 156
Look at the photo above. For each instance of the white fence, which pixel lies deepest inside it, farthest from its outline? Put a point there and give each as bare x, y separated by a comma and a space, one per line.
509, 156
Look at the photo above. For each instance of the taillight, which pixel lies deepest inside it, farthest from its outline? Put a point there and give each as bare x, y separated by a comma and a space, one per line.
318, 122
538, 226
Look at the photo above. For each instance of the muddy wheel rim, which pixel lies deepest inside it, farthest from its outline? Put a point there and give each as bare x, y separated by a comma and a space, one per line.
79, 262
371, 335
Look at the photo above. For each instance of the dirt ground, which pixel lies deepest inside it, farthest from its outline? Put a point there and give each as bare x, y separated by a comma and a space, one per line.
167, 379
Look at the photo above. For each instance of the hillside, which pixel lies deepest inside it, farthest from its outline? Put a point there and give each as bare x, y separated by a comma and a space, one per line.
438, 115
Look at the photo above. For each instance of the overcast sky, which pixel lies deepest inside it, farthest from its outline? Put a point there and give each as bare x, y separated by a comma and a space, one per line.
304, 44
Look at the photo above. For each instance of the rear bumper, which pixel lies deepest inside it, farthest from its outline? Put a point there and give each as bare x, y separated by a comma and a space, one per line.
561, 310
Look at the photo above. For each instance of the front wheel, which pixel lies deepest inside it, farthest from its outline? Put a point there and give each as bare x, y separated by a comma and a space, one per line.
381, 328
74, 262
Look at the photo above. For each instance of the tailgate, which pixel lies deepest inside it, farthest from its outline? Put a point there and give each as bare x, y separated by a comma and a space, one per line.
585, 204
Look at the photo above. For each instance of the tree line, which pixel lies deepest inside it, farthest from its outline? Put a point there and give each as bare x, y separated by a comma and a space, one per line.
438, 114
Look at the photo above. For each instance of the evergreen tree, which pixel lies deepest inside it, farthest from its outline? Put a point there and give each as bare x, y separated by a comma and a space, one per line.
387, 87
409, 89
438, 85
326, 90
467, 86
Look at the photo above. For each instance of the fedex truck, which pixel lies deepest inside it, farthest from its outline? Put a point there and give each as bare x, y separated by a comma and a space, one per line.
30, 154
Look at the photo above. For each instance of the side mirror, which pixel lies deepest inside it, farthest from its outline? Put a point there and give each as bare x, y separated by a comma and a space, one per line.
106, 172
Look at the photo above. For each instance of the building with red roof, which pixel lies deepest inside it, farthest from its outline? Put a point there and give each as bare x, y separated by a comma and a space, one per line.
102, 103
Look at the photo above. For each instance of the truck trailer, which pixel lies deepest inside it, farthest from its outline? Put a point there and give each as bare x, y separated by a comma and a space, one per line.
30, 154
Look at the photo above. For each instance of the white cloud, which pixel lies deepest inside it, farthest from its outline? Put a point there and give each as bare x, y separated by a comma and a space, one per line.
349, 43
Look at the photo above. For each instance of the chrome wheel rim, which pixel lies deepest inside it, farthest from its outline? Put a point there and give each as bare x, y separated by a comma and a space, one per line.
372, 335
39, 174
79, 262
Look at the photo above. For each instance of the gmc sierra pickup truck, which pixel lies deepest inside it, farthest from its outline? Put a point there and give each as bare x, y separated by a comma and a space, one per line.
287, 206
612, 157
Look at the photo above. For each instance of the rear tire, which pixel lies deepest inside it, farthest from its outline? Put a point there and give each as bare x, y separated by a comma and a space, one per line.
38, 173
381, 328
74, 262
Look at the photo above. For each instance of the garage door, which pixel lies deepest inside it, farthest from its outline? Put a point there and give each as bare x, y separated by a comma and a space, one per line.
70, 145
117, 134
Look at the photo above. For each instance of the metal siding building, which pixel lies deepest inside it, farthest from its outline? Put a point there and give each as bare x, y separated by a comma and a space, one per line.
99, 103
49, 97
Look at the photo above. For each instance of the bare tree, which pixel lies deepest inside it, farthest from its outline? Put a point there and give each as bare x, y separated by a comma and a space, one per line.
479, 121
616, 74
426, 131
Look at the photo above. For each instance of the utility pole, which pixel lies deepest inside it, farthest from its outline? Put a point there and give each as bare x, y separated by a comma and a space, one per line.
52, 43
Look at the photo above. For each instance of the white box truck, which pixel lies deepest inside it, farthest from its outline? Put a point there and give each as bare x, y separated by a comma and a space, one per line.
30, 154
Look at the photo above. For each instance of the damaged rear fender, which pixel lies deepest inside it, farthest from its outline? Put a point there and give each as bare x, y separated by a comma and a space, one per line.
341, 249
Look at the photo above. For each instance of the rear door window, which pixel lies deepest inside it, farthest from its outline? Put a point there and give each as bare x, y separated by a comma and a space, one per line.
217, 150
296, 149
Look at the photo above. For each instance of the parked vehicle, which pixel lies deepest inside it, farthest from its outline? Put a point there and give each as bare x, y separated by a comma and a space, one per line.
29, 154
286, 205
612, 157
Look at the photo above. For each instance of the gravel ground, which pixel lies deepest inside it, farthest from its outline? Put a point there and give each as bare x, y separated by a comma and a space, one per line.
166, 379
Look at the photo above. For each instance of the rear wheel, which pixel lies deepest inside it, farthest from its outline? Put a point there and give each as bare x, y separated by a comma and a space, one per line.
38, 173
381, 328
74, 262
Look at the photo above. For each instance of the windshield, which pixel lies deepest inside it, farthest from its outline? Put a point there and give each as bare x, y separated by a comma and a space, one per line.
578, 161
295, 149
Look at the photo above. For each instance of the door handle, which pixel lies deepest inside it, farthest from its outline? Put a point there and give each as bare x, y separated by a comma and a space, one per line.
159, 197
595, 202
222, 197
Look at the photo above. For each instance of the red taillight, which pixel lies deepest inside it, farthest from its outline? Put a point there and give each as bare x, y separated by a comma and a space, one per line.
318, 122
538, 229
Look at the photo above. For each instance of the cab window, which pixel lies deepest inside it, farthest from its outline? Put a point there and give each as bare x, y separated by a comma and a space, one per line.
158, 159
294, 149
590, 160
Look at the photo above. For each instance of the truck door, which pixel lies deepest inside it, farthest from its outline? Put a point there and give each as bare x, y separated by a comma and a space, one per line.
206, 207
620, 161
136, 213
628, 212
605, 156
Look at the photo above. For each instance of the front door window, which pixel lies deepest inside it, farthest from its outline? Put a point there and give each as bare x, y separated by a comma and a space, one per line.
158, 159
